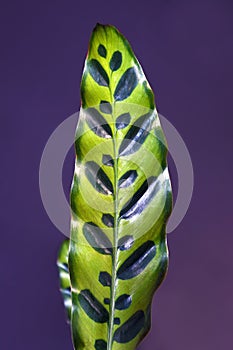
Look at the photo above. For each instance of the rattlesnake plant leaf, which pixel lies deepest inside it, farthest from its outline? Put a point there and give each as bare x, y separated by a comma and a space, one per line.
120, 199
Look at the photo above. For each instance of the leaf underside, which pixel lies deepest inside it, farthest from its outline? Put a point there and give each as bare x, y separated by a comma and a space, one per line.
121, 200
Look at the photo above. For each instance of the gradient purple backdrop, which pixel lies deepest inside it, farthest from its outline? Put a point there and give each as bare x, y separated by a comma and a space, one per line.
186, 50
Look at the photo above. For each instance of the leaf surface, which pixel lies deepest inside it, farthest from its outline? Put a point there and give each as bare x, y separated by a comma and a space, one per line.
121, 200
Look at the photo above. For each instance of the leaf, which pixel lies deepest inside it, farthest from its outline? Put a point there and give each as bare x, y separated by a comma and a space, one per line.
62, 263
120, 203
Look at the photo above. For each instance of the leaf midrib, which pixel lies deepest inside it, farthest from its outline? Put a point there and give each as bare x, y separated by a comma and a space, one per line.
115, 233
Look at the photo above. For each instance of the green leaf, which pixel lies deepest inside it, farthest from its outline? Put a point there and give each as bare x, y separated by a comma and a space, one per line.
62, 263
120, 198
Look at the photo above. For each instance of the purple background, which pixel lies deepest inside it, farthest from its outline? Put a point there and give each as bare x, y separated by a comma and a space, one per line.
185, 48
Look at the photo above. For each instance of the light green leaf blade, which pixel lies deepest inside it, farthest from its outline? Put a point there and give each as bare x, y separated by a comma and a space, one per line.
120, 198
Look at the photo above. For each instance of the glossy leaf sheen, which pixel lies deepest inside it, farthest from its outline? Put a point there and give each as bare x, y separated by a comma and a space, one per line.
140, 199
98, 73
97, 238
125, 242
127, 179
136, 135
121, 200
138, 261
98, 124
93, 308
123, 120
98, 178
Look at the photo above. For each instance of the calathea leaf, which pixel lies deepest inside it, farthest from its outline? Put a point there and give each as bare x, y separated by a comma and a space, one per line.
121, 200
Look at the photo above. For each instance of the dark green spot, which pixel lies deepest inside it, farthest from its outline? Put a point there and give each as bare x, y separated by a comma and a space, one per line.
93, 308
97, 238
100, 344
128, 178
105, 279
105, 107
136, 135
123, 120
125, 242
107, 160
117, 320
141, 198
130, 328
102, 51
97, 123
116, 61
123, 302
98, 179
97, 72
138, 261
126, 85
108, 220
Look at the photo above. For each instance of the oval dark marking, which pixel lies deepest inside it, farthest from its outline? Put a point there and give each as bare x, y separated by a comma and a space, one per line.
123, 120
105, 107
98, 124
136, 135
127, 179
138, 261
102, 51
125, 242
100, 344
123, 302
97, 238
107, 160
105, 279
93, 308
117, 320
97, 177
106, 301
108, 220
97, 72
141, 198
116, 61
130, 328
126, 85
